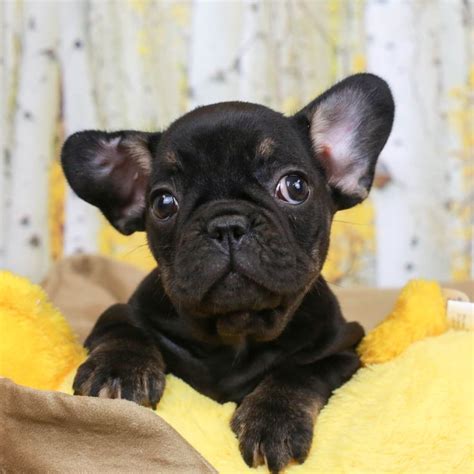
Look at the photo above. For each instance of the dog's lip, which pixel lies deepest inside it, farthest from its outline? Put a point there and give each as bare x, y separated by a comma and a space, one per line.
241, 270
221, 312
251, 312
229, 272
237, 271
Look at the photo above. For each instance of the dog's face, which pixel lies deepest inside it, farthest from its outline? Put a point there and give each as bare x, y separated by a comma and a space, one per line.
236, 199
238, 216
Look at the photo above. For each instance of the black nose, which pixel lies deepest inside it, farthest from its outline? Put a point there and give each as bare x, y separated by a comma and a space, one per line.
228, 229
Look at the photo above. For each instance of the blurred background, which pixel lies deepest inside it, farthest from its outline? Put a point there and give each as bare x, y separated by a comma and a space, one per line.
71, 65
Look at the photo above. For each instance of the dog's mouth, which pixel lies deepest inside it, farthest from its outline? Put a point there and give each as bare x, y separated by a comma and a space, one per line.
235, 293
241, 308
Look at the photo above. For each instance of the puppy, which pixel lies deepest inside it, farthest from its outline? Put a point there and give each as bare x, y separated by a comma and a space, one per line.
236, 201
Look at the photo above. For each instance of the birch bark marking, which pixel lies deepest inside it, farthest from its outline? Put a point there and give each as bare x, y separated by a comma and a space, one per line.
33, 143
79, 112
411, 224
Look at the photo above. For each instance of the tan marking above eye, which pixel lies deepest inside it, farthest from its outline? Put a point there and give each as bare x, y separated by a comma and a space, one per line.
170, 157
266, 147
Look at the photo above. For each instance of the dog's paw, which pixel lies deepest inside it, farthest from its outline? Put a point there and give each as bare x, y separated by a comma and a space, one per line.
274, 432
121, 374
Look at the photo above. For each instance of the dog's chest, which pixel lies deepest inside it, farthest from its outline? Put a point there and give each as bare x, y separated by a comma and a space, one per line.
225, 373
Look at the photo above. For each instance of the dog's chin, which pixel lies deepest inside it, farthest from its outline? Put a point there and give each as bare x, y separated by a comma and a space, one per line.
242, 308
260, 326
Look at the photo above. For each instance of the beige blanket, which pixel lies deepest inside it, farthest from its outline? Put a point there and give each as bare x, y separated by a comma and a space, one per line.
51, 432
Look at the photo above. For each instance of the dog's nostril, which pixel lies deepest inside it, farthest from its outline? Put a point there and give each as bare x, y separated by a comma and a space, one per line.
223, 227
238, 231
217, 233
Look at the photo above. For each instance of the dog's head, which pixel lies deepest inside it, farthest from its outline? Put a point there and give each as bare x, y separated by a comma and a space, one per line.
236, 199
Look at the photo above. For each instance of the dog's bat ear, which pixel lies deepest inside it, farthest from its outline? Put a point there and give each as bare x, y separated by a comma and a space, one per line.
348, 126
111, 171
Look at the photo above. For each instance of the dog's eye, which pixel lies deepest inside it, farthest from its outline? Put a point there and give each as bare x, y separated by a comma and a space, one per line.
292, 189
164, 205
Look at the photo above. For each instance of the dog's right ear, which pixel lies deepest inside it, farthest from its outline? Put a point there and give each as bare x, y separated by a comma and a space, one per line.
111, 171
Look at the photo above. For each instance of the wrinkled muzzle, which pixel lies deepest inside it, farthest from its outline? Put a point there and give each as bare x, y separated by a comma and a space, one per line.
233, 256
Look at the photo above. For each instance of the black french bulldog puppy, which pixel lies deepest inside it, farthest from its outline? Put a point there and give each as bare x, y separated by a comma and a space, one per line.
237, 202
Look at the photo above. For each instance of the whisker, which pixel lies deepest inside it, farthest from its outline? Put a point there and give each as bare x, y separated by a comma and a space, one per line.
138, 247
350, 223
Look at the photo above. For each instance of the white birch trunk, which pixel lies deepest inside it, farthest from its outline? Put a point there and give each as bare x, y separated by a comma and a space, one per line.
314, 49
165, 73
105, 46
411, 220
3, 126
455, 36
214, 51
138, 106
35, 124
79, 113
284, 53
256, 81
10, 27
150, 76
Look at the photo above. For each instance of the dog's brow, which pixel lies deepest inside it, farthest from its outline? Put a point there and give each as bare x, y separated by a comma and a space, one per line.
265, 147
171, 160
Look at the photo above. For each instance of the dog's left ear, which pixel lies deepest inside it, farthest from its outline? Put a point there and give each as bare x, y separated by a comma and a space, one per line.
348, 126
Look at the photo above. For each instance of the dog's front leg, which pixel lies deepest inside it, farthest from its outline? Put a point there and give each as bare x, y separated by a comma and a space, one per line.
123, 361
274, 423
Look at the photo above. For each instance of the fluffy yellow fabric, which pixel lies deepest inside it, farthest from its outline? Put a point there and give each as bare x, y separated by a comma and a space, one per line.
419, 312
37, 346
411, 414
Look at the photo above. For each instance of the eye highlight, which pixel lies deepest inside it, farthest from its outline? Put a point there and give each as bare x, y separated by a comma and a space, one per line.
164, 205
292, 189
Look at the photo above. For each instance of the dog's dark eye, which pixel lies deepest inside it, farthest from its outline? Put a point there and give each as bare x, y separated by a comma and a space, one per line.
292, 189
164, 205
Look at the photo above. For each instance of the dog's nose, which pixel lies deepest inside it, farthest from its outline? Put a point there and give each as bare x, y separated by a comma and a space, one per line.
228, 229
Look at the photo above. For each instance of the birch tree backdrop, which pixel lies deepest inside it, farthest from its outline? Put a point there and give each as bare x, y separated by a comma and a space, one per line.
71, 65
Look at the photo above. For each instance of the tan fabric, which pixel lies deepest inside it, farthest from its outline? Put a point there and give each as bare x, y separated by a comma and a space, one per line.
57, 433
369, 306
82, 287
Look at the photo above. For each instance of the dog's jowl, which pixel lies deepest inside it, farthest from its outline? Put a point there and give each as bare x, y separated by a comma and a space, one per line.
236, 201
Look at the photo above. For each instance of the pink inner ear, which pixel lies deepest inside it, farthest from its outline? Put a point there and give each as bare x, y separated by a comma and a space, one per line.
107, 154
125, 163
334, 135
